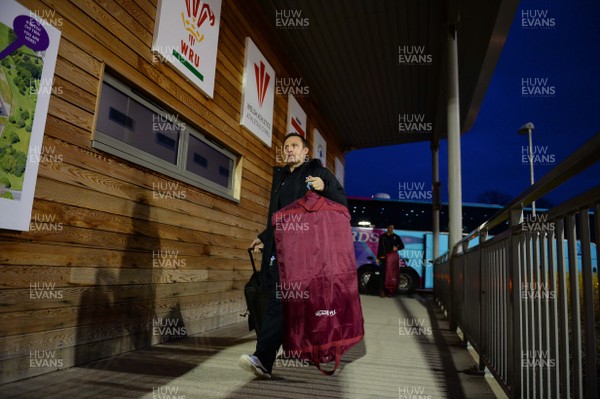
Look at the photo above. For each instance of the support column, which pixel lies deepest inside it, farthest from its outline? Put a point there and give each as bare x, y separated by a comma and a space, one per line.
436, 197
454, 173
454, 165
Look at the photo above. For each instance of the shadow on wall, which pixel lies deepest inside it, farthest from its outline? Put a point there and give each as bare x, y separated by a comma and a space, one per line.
116, 314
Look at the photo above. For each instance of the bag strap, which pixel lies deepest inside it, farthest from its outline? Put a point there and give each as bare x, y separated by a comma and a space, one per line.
338, 357
314, 351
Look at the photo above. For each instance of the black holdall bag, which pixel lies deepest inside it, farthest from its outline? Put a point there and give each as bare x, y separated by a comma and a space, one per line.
257, 298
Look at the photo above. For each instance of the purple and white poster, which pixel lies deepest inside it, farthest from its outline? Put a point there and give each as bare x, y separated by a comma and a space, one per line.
28, 52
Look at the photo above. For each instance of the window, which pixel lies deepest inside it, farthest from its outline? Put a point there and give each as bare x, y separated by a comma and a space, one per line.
134, 128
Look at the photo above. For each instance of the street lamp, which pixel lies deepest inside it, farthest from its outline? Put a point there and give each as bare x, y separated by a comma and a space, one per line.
528, 129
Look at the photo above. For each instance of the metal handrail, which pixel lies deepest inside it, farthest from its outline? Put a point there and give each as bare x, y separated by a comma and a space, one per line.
574, 204
575, 163
519, 298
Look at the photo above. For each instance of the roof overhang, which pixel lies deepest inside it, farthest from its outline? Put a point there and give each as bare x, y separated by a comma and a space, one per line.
350, 55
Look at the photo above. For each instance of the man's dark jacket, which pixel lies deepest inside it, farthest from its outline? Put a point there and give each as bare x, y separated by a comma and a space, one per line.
295, 189
387, 243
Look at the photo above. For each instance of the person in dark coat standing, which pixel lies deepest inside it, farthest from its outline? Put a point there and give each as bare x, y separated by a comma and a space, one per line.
290, 183
388, 242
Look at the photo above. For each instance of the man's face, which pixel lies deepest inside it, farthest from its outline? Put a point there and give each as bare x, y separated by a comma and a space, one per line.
294, 152
390, 229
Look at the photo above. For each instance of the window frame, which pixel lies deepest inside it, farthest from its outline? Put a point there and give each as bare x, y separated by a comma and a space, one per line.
104, 142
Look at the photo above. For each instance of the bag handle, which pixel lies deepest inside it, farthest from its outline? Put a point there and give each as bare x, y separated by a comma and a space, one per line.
250, 250
310, 204
316, 360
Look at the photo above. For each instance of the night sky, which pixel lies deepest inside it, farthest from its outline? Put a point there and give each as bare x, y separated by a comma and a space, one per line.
562, 62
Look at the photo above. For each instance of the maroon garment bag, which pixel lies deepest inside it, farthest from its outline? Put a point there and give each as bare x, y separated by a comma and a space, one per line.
392, 272
318, 287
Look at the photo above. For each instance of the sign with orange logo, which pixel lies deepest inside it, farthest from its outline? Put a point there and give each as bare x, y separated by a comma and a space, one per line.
186, 35
258, 94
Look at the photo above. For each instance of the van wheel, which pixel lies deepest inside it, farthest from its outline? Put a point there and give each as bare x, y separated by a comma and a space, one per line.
368, 280
408, 282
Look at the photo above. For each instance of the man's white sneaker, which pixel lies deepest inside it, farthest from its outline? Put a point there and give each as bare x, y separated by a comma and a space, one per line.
253, 365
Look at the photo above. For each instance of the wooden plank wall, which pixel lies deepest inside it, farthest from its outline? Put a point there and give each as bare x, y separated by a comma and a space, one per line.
85, 283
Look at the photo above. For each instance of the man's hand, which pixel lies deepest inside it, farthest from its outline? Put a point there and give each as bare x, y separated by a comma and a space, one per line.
257, 246
316, 183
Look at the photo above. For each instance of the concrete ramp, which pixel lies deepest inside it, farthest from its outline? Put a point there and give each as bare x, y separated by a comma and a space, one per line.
407, 353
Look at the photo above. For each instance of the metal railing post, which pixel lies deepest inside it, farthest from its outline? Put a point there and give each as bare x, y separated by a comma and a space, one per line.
482, 335
591, 377
514, 319
574, 306
452, 325
563, 311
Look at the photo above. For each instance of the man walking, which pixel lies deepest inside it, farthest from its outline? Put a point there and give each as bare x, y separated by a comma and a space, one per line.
290, 183
388, 242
